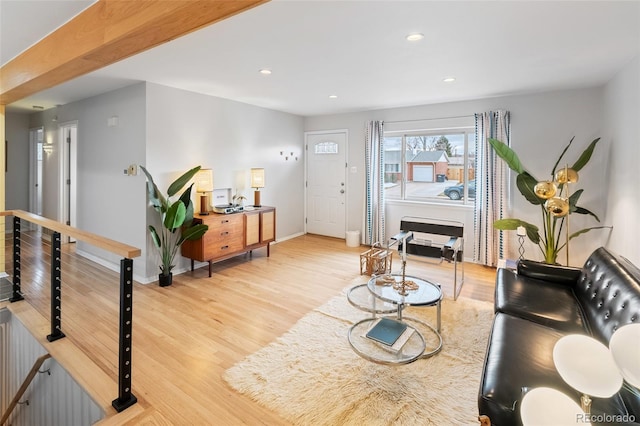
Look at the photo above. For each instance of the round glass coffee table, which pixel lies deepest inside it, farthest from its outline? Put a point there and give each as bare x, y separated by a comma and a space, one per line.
388, 300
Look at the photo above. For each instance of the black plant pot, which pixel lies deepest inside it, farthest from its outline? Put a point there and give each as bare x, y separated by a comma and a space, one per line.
165, 280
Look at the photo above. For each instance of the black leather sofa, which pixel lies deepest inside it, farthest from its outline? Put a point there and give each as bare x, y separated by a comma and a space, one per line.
537, 305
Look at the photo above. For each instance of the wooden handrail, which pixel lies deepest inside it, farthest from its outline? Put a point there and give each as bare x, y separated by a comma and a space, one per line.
107, 244
25, 385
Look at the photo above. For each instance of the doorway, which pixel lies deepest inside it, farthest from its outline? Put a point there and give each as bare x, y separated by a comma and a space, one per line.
326, 183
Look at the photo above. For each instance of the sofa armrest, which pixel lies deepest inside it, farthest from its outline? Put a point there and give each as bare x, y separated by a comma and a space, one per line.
566, 275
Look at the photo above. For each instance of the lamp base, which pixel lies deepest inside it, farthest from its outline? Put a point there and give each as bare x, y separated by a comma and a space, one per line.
203, 205
585, 403
256, 199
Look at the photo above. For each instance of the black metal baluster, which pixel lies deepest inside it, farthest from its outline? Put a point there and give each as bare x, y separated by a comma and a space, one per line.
56, 290
17, 292
125, 397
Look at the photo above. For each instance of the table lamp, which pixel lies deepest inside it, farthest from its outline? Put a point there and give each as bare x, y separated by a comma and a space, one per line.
204, 184
257, 182
625, 350
588, 367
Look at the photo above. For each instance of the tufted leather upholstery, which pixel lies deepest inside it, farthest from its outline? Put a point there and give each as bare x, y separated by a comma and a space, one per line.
539, 305
609, 292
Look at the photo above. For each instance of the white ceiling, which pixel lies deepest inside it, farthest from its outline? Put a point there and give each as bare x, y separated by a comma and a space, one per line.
357, 50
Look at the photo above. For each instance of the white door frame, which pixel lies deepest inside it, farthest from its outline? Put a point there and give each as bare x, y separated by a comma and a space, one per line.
346, 175
35, 175
68, 169
33, 170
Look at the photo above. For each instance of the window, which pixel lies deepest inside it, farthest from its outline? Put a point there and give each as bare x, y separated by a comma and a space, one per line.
430, 166
326, 148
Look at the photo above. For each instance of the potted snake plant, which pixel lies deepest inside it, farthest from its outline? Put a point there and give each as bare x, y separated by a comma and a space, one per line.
176, 218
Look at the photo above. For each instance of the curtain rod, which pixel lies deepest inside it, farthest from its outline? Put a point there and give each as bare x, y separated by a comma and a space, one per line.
429, 119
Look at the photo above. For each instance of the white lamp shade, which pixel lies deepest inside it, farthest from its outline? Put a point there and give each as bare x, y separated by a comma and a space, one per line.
550, 407
625, 349
587, 366
204, 180
257, 178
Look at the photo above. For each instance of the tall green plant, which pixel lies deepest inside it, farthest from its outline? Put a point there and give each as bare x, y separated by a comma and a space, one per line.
176, 218
549, 237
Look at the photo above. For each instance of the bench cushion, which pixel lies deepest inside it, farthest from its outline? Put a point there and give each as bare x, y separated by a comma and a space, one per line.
547, 303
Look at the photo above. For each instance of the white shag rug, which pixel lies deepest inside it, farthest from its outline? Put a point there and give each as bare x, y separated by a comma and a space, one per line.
311, 376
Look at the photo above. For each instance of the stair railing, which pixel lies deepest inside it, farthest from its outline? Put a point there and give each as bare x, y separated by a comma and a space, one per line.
23, 388
125, 397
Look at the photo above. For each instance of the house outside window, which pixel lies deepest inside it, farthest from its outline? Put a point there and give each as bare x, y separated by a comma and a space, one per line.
430, 166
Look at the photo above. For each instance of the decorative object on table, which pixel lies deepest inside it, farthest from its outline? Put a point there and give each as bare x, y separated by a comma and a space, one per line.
257, 182
625, 349
555, 209
376, 260
403, 287
176, 218
386, 331
238, 200
588, 367
521, 231
204, 185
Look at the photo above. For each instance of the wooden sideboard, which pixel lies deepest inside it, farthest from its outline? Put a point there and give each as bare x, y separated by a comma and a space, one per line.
232, 234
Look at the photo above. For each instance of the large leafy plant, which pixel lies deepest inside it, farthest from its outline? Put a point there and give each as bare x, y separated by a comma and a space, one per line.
176, 218
549, 238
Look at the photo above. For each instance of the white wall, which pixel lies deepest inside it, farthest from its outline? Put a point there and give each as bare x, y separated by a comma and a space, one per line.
622, 124
169, 131
110, 204
187, 129
17, 175
541, 124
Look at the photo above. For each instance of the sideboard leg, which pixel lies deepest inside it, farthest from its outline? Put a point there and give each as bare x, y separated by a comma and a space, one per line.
210, 269
191, 265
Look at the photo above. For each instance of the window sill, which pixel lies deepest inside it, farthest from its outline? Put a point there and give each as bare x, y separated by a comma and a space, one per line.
428, 203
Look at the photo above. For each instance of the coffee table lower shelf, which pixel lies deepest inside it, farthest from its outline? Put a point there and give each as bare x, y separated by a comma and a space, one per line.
379, 353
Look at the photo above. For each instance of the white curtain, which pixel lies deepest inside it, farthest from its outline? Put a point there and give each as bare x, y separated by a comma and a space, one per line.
374, 162
492, 187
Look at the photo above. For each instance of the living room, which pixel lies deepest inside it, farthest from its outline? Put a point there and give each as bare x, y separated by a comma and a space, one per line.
169, 130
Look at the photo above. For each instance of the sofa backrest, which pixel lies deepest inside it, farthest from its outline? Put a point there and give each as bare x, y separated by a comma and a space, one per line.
609, 292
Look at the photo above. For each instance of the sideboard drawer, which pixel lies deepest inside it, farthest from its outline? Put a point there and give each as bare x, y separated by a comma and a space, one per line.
225, 236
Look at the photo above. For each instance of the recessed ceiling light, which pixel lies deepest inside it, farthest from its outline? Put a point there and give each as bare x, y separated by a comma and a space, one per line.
265, 71
449, 79
415, 36
333, 96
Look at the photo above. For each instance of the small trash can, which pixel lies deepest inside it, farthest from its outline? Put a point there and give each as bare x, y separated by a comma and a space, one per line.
353, 238
440, 178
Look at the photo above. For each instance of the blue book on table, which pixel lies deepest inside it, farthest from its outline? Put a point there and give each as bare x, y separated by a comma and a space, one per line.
386, 331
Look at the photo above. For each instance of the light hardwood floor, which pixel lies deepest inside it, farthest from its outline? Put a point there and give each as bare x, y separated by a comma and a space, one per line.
185, 336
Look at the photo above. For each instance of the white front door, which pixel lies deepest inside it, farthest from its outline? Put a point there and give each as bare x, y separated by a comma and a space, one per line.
326, 183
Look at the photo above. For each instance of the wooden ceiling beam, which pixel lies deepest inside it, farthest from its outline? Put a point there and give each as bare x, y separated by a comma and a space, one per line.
107, 32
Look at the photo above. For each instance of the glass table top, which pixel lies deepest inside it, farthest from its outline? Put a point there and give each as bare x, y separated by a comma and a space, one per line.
427, 293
